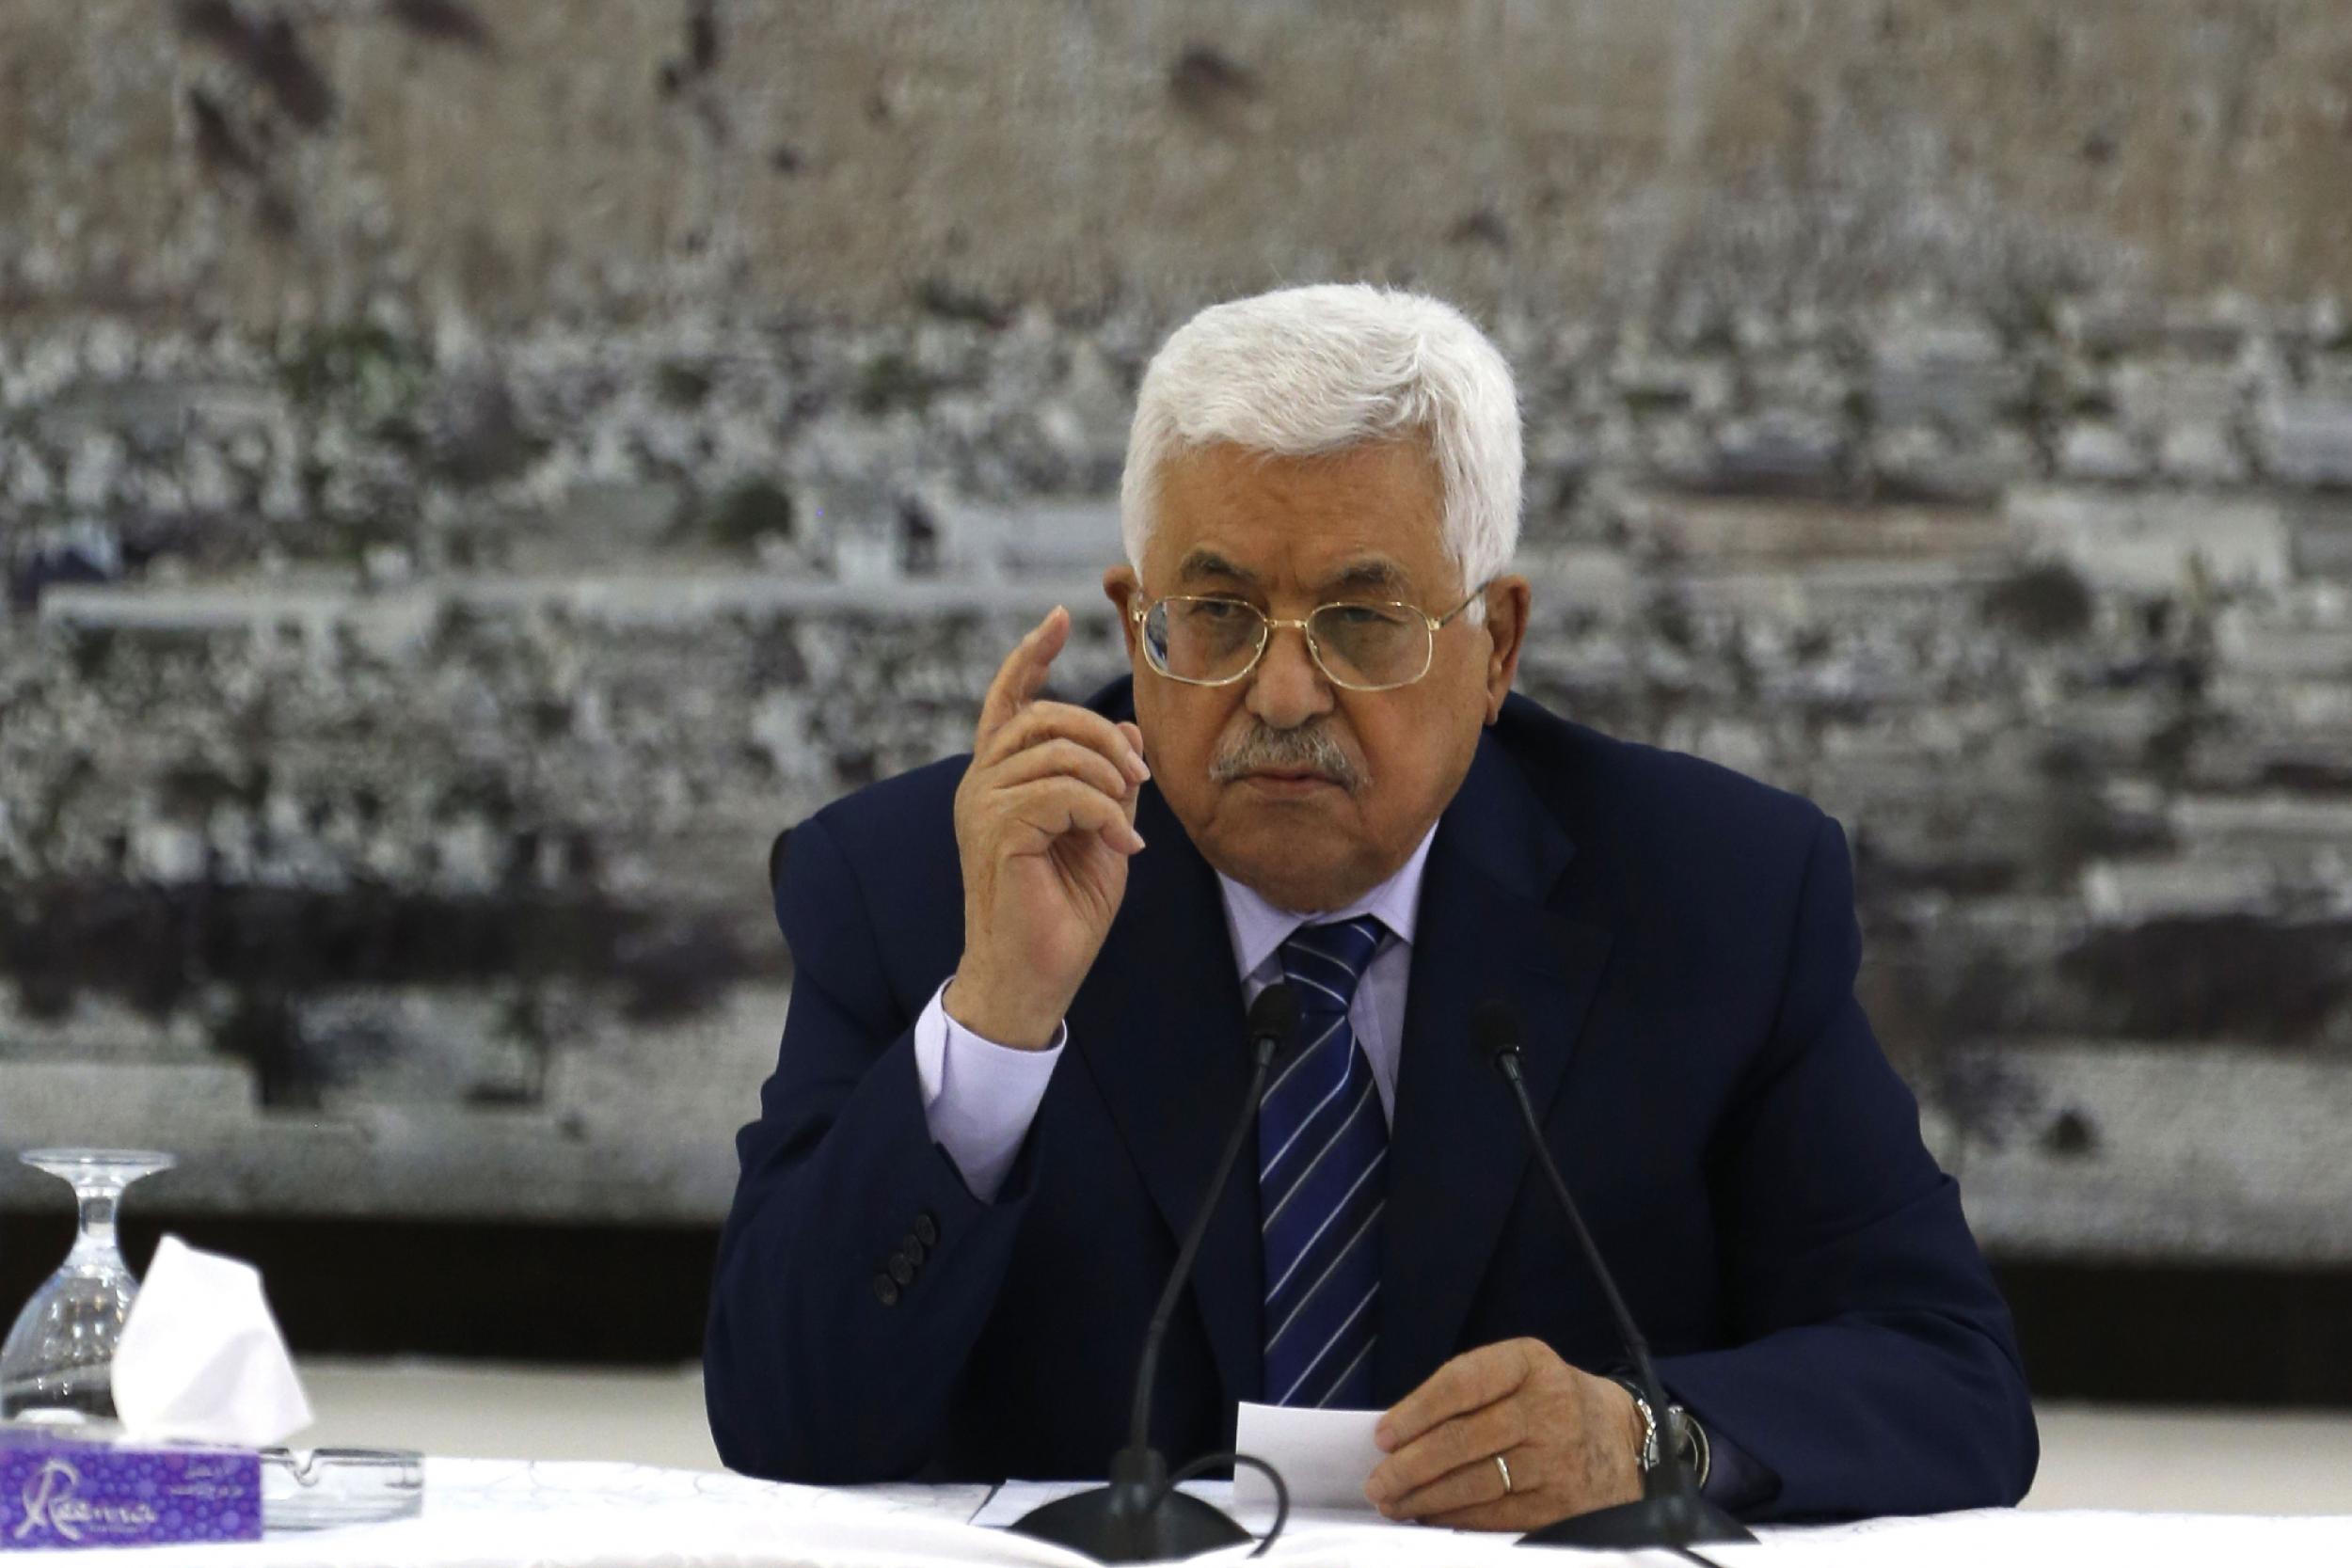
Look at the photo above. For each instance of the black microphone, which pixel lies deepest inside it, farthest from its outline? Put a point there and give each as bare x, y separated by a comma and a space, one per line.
1140, 1516
1672, 1513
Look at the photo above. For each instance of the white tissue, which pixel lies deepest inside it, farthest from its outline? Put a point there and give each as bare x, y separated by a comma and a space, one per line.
200, 1359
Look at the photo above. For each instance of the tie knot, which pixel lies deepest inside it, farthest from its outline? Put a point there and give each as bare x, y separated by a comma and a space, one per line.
1326, 961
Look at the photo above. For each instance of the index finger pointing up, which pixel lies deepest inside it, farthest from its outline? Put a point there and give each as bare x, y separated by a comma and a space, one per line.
1022, 677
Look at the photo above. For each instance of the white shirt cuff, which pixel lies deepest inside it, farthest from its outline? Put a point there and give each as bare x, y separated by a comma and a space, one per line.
978, 1097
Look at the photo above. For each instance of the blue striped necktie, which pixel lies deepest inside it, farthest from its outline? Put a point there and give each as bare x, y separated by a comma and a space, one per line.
1323, 1146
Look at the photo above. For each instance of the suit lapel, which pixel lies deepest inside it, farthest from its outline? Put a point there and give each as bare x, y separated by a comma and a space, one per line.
1159, 1027
1457, 1150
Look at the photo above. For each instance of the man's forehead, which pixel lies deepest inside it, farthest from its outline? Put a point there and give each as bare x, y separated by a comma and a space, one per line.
1362, 519
1352, 572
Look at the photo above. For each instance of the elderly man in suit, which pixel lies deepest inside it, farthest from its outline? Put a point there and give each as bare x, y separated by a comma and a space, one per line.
1016, 1027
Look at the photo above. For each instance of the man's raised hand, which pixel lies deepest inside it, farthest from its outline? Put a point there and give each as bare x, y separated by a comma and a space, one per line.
1044, 823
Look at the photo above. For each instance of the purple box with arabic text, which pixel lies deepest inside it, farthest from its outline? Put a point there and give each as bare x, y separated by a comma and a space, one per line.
57, 1493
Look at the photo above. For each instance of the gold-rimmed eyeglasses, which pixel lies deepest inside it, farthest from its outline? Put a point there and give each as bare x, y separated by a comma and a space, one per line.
1213, 641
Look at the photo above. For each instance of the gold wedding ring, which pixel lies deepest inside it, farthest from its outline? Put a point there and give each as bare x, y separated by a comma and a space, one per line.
1505, 1465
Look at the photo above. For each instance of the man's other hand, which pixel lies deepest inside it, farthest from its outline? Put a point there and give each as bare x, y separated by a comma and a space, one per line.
1046, 819
1572, 1442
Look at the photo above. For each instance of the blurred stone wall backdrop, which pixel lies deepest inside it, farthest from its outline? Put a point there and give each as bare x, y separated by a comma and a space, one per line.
471, 471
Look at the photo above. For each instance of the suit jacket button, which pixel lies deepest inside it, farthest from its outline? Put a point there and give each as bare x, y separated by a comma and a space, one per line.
885, 1290
903, 1267
927, 1230
912, 1246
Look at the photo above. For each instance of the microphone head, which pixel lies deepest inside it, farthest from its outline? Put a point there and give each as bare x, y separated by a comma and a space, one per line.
1495, 1029
1275, 1014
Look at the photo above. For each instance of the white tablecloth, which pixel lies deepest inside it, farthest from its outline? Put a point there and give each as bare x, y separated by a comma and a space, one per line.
500, 1513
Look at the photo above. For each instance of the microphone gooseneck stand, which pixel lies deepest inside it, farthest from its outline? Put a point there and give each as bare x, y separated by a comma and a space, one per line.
1671, 1513
1140, 1516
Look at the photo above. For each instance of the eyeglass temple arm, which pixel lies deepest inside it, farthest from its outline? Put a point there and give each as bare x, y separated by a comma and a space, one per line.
1437, 622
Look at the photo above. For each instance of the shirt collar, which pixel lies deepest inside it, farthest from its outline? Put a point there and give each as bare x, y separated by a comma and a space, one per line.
1259, 929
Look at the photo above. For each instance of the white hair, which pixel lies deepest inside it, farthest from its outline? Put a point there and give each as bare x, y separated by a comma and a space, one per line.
1303, 372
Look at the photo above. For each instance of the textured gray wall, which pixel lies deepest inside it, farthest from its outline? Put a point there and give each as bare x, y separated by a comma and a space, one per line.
470, 472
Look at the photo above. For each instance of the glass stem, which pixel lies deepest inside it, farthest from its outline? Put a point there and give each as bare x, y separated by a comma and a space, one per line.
100, 1202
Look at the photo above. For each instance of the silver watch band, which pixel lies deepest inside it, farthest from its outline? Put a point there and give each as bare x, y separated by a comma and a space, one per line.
1647, 1455
1695, 1451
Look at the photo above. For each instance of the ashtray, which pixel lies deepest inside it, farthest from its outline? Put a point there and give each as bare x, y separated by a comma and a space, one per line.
325, 1487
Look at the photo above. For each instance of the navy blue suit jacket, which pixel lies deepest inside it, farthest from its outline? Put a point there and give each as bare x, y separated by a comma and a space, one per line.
1681, 944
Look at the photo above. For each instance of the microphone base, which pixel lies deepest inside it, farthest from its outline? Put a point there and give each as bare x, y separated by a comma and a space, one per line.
1677, 1517
1119, 1523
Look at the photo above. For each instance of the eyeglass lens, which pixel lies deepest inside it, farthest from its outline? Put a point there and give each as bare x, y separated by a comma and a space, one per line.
1360, 645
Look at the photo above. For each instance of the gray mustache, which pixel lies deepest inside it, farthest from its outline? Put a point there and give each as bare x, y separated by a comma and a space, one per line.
1311, 749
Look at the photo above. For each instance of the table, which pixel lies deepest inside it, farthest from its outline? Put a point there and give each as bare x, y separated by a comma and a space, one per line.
505, 1513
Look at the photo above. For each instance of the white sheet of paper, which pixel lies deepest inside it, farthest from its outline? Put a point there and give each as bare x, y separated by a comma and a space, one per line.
1325, 1456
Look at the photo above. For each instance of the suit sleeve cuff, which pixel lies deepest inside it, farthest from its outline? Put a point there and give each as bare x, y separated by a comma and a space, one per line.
978, 1097
1736, 1482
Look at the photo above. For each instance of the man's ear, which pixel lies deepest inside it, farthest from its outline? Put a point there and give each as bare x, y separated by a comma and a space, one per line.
1507, 600
1125, 592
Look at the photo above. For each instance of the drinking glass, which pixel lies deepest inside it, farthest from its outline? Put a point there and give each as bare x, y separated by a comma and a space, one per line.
57, 1366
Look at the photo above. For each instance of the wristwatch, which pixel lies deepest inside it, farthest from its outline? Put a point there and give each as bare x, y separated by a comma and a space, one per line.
1695, 1450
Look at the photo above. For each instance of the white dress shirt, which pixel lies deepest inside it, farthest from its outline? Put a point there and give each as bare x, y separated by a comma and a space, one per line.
979, 1098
